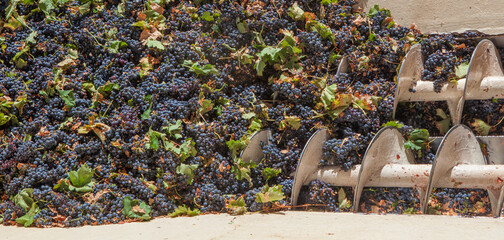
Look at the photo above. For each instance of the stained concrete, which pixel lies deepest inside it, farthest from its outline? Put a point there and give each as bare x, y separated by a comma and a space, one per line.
283, 225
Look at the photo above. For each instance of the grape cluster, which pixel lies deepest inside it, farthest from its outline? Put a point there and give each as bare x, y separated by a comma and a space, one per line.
395, 200
320, 193
468, 202
158, 98
342, 152
443, 54
439, 67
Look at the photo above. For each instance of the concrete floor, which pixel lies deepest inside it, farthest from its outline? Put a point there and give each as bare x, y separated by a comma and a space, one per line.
283, 225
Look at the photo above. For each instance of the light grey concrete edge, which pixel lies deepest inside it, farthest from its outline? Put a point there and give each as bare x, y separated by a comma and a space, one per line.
282, 225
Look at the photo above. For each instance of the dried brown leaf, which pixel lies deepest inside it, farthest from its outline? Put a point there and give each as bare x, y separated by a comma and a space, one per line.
152, 34
43, 132
137, 209
141, 16
93, 198
359, 20
156, 8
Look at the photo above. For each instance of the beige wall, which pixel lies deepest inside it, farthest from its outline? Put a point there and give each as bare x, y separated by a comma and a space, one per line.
439, 16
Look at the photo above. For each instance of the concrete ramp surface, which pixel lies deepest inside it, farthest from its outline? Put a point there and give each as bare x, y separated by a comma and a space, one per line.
434, 16
282, 225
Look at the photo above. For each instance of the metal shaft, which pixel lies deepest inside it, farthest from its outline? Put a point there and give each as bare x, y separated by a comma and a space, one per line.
424, 91
415, 175
492, 86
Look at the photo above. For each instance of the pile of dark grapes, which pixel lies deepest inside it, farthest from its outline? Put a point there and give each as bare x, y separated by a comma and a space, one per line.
114, 111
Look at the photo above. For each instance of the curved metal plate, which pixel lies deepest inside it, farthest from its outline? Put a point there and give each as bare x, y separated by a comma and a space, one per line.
496, 197
459, 146
485, 61
410, 71
253, 151
387, 147
309, 161
494, 148
343, 66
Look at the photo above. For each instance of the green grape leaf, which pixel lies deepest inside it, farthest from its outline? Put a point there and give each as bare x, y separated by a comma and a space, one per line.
154, 138
293, 121
187, 150
46, 6
141, 24
443, 125
111, 34
187, 170
31, 38
121, 9
341, 195
268, 173
342, 200
329, 2
207, 16
461, 70
4, 118
323, 30
155, 44
78, 181
103, 90
132, 209
146, 114
270, 194
89, 87
395, 124
20, 62
270, 54
85, 8
82, 177
206, 106
184, 211
296, 13
174, 130
235, 146
328, 96
236, 207
116, 45
242, 26
376, 9
418, 139
419, 134
259, 66
24, 198
255, 125
372, 37
11, 9
196, 68
248, 115
242, 171
68, 98
28, 218
481, 127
